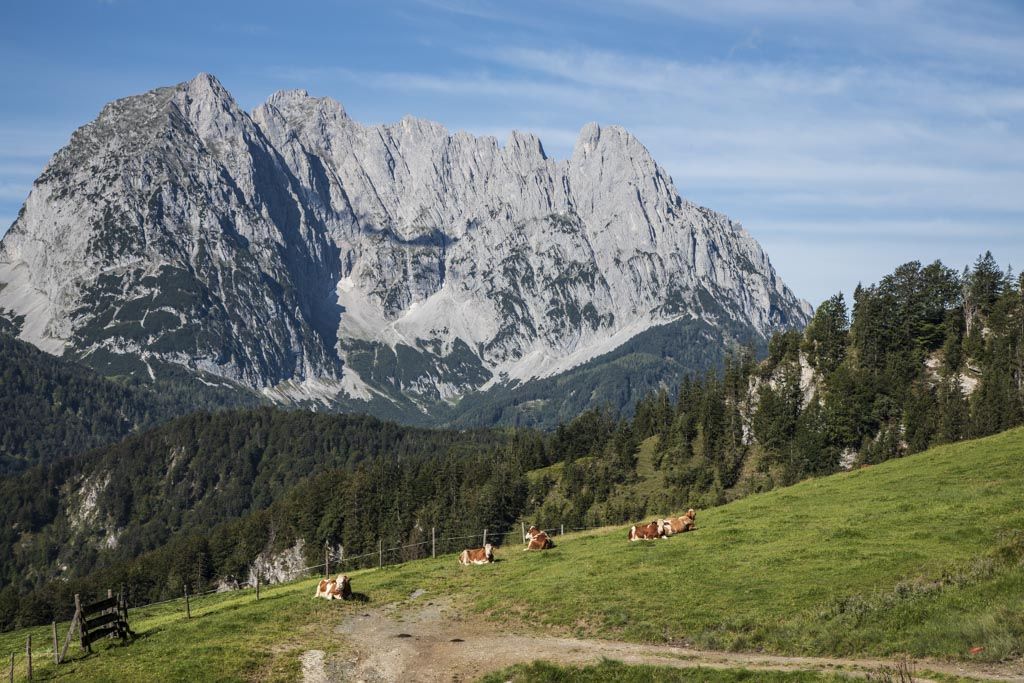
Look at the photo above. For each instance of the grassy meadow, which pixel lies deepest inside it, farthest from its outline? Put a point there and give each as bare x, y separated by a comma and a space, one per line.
544, 672
922, 556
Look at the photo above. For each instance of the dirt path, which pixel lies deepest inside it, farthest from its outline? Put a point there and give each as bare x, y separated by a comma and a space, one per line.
431, 641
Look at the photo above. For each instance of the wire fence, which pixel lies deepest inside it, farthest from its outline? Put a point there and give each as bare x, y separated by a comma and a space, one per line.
336, 561
20, 664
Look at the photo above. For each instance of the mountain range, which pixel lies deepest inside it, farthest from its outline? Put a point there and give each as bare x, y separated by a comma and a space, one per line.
397, 269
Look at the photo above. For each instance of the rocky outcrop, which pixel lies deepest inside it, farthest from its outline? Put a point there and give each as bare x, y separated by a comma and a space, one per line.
296, 251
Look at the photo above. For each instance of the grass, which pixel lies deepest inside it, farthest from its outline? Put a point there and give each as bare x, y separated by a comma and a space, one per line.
921, 556
896, 558
608, 670
230, 637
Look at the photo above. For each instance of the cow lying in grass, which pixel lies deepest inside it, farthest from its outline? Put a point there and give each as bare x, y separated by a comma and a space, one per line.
477, 555
648, 532
679, 525
334, 589
537, 540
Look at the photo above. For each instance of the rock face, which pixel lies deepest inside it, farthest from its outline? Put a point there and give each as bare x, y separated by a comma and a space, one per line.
295, 251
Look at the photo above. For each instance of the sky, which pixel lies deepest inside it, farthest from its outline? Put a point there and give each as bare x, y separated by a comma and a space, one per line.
847, 137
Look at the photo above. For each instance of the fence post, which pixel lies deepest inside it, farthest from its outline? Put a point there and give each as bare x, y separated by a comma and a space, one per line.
485, 536
28, 655
78, 612
56, 652
327, 559
341, 560
188, 607
380, 553
523, 526
10, 676
433, 543
257, 585
562, 531
67, 638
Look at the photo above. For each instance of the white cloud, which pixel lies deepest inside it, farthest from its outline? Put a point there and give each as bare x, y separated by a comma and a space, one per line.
476, 84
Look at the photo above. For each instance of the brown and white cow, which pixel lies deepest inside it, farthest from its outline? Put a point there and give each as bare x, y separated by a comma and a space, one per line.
678, 525
537, 540
683, 524
334, 589
689, 520
477, 555
647, 532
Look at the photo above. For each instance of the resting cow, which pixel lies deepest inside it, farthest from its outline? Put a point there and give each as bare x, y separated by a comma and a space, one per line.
689, 520
647, 532
537, 540
477, 555
683, 524
334, 589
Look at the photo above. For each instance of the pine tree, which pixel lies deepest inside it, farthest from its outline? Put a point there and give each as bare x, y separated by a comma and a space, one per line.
825, 337
953, 413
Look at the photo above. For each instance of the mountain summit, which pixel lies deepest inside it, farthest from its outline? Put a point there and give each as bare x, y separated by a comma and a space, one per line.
297, 252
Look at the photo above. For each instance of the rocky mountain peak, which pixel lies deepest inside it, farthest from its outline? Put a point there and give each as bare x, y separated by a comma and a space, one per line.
526, 146
296, 251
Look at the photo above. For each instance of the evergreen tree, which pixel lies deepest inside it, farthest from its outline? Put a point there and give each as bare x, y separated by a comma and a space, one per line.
825, 337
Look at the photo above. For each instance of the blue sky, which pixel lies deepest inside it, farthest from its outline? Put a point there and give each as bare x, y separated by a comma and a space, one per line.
848, 137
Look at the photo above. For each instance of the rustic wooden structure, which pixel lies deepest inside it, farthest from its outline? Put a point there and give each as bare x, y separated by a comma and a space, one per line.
106, 618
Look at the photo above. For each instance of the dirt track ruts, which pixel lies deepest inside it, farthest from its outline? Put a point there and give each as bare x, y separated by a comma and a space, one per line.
434, 642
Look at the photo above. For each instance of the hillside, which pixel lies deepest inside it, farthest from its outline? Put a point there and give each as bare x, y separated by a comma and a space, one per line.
921, 556
99, 511
51, 408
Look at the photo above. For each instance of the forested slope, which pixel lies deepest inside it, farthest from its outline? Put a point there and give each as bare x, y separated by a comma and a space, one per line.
51, 407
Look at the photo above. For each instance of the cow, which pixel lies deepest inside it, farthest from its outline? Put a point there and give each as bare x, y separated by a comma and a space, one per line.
477, 555
647, 532
537, 540
689, 520
679, 525
334, 589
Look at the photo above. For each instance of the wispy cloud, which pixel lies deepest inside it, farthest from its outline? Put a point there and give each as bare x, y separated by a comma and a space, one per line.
14, 191
888, 230
987, 31
480, 10
478, 83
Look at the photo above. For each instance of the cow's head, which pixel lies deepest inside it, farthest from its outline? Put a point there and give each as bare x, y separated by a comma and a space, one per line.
531, 533
489, 551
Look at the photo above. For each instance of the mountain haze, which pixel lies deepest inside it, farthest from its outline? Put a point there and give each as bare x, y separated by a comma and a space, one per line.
400, 267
